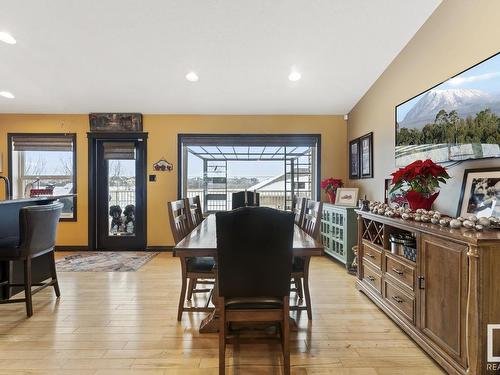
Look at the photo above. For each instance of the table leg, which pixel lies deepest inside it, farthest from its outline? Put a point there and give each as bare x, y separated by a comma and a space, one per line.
211, 323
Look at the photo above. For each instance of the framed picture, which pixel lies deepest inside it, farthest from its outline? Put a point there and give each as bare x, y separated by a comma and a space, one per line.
115, 122
480, 195
396, 197
354, 159
347, 197
366, 155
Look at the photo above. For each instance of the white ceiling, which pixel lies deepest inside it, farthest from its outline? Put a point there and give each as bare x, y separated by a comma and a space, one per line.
79, 56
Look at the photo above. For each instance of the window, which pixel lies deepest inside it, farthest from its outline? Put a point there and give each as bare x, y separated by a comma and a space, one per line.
278, 167
46, 162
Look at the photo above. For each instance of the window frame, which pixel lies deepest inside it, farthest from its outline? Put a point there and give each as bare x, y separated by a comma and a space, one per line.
285, 139
73, 138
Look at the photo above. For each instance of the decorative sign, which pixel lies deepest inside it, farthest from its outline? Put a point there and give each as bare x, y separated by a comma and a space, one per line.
163, 166
115, 122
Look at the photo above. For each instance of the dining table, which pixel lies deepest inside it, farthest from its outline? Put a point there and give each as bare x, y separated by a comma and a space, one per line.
202, 242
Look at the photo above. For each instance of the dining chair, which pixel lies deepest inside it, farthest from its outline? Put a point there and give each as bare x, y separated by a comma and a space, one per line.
262, 237
195, 214
37, 229
300, 268
298, 207
193, 268
245, 199
195, 217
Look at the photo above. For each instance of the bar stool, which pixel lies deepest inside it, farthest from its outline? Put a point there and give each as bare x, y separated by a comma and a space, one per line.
37, 228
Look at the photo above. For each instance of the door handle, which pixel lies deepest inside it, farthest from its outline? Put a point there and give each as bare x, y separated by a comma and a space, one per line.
371, 278
397, 299
370, 255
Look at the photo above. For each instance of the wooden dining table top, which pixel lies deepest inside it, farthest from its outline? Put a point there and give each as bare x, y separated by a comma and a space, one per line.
202, 241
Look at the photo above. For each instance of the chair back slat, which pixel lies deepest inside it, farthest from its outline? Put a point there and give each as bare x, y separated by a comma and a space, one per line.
312, 218
195, 214
178, 216
299, 205
254, 252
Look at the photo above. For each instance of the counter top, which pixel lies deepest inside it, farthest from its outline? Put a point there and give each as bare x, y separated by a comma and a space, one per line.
35, 199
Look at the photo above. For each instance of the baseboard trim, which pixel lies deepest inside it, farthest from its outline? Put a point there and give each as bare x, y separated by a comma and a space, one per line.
160, 249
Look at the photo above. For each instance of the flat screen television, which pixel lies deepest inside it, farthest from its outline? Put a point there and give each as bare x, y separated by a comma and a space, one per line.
456, 120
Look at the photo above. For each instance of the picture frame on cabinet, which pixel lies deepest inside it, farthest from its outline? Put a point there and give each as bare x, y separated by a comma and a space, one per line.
347, 197
480, 194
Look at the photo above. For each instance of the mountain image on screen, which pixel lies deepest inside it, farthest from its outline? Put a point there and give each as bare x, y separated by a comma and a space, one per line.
456, 120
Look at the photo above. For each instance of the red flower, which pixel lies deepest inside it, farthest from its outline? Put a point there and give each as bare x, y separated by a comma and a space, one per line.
331, 184
421, 176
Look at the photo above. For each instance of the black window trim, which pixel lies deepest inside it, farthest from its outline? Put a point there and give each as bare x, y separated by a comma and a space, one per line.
10, 137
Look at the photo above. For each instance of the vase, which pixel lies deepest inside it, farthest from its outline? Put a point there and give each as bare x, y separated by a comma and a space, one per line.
331, 196
418, 200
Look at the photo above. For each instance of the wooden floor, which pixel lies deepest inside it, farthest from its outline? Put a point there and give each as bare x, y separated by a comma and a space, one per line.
125, 323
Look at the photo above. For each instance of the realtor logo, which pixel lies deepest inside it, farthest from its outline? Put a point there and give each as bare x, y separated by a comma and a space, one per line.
491, 356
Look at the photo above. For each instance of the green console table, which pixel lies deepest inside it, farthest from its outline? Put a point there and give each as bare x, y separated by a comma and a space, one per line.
338, 232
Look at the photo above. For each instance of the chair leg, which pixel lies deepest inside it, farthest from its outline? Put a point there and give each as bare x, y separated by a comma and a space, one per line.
298, 286
222, 337
53, 272
306, 289
285, 333
183, 289
191, 288
27, 287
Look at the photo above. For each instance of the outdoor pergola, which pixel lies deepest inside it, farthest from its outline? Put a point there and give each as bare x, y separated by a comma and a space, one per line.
297, 162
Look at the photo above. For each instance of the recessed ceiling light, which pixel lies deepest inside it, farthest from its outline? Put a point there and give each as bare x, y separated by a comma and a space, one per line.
7, 94
7, 38
294, 76
192, 77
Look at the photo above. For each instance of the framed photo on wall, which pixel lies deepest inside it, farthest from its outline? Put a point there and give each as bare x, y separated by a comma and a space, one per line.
354, 172
366, 155
396, 197
115, 122
480, 195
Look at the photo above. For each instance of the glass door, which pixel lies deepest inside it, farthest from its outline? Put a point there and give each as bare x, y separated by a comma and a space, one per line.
121, 205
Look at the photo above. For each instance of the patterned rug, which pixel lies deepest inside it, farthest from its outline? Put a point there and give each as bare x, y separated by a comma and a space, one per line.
106, 261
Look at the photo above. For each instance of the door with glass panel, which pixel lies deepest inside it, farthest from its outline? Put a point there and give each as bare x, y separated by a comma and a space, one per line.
120, 199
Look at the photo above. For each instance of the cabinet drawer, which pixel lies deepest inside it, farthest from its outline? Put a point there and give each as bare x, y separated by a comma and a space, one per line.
400, 271
400, 301
372, 254
372, 278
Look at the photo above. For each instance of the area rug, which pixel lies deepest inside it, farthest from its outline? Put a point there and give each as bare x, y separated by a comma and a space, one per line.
106, 261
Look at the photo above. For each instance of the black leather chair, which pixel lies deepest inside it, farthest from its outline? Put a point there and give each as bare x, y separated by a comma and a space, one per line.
254, 265
245, 199
37, 228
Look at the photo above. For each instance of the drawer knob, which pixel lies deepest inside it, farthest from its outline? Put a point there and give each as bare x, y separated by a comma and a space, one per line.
398, 271
370, 255
371, 278
397, 299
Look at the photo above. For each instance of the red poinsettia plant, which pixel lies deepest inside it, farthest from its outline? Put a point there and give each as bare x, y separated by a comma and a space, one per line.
331, 184
420, 176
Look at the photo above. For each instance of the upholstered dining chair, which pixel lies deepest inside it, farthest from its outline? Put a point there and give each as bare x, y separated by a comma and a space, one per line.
254, 236
300, 270
245, 199
192, 269
37, 229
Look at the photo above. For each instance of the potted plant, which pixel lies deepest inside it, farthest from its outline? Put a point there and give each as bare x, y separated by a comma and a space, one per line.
330, 186
420, 182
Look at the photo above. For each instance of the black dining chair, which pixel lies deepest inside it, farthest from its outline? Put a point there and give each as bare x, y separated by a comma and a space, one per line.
245, 199
254, 265
37, 229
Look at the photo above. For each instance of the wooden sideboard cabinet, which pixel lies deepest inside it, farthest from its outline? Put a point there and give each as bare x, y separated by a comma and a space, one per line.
445, 298
338, 232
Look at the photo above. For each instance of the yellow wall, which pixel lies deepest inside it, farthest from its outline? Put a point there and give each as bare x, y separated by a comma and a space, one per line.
458, 35
162, 142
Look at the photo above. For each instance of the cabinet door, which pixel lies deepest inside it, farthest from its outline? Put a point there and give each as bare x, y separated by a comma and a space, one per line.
444, 294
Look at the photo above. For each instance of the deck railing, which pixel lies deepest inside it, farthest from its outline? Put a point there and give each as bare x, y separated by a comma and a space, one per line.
273, 199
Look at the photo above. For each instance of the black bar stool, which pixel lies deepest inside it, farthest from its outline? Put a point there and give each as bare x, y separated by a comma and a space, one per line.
37, 228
